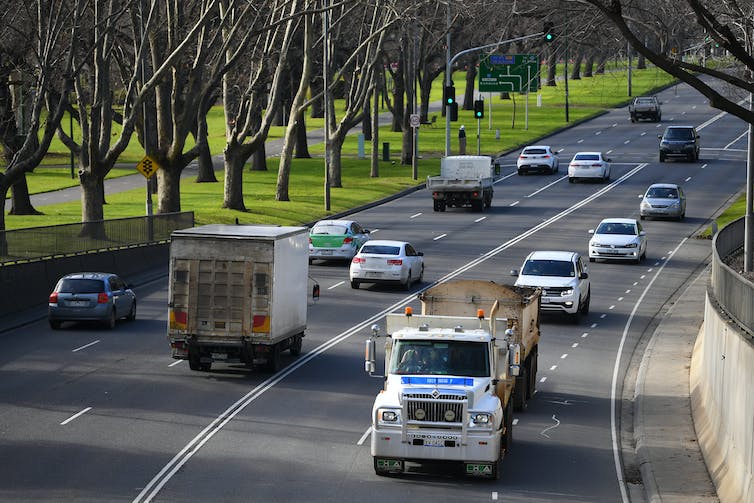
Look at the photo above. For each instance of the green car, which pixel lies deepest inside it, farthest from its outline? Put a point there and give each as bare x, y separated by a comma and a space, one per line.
336, 240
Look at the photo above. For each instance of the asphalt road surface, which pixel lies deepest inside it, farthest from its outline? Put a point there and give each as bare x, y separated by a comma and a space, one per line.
90, 414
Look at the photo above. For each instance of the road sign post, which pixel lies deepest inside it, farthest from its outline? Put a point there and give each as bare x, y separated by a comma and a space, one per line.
148, 167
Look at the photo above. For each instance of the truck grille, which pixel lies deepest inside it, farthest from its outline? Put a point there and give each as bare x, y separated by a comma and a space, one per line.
442, 408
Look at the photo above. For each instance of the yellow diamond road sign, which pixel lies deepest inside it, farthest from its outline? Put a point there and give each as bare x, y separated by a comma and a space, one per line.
148, 167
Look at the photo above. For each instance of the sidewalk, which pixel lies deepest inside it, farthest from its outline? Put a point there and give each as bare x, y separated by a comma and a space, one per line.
671, 463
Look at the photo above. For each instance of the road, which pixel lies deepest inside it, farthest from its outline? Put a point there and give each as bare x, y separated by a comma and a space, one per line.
93, 415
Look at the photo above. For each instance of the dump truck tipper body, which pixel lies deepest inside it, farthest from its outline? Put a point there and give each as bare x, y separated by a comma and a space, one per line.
237, 294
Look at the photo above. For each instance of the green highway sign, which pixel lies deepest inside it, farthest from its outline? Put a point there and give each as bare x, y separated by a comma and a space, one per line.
512, 73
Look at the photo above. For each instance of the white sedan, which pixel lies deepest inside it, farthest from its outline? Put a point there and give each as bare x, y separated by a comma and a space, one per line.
540, 158
618, 239
380, 261
589, 165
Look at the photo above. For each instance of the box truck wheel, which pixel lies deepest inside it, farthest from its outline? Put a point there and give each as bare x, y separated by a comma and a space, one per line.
520, 401
274, 360
194, 360
295, 348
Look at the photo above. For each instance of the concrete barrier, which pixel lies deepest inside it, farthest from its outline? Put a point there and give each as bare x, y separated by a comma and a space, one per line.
27, 285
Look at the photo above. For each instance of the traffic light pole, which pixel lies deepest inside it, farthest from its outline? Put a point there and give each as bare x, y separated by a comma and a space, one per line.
448, 70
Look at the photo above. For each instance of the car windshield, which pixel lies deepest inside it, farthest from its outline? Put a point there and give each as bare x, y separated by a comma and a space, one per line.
381, 250
460, 358
586, 157
678, 134
559, 268
662, 193
616, 228
71, 285
534, 151
330, 229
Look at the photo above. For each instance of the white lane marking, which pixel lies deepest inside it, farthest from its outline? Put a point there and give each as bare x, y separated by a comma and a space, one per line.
494, 495
598, 133
543, 379
575, 345
609, 152
580, 141
154, 486
364, 436
642, 277
585, 335
479, 219
628, 291
564, 356
656, 264
557, 423
627, 142
643, 133
603, 316
687, 179
620, 299
594, 325
415, 215
372, 231
734, 141
515, 421
175, 363
75, 416
504, 177
615, 124
336, 285
553, 367
439, 237
85, 346
611, 307
704, 165
635, 283
547, 186
649, 270
514, 203
614, 390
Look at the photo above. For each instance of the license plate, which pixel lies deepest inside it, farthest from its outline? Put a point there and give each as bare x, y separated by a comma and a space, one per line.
374, 274
479, 469
434, 442
78, 303
544, 300
326, 252
611, 252
219, 356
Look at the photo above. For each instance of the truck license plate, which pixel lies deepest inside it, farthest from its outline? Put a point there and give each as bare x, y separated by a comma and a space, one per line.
479, 469
219, 356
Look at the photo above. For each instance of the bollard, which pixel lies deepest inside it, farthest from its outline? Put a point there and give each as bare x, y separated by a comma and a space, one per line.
386, 151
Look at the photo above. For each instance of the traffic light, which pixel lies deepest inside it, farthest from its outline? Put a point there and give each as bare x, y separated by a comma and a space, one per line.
453, 110
549, 31
478, 109
449, 96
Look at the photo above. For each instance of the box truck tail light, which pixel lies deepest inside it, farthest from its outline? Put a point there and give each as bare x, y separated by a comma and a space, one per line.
102, 298
178, 320
395, 261
476, 194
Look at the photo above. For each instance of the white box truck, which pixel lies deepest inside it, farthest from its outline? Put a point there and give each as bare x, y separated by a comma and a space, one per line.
237, 294
464, 180
450, 379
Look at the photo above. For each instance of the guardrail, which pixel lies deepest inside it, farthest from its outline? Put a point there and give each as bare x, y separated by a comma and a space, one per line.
55, 241
733, 291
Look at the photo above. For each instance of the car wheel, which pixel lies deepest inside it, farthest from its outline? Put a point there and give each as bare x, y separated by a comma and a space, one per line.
421, 274
55, 324
642, 217
571, 179
520, 173
354, 284
591, 259
132, 313
662, 157
587, 301
110, 322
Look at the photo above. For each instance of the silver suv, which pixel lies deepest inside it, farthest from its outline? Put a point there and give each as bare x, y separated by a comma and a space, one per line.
563, 278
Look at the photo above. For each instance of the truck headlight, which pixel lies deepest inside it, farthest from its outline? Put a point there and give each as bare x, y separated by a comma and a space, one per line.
481, 419
388, 416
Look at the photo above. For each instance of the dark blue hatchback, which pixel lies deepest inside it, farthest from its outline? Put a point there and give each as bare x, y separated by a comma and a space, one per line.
91, 296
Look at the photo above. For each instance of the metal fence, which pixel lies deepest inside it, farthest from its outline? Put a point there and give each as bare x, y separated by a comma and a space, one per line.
734, 292
23, 245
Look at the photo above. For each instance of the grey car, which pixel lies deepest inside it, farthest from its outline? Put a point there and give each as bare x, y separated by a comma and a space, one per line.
663, 200
91, 296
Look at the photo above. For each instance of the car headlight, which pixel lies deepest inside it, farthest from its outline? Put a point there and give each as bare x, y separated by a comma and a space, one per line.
566, 293
595, 244
645, 204
630, 245
675, 204
663, 144
481, 419
389, 416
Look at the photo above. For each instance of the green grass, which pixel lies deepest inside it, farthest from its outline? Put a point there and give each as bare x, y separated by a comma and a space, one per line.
587, 98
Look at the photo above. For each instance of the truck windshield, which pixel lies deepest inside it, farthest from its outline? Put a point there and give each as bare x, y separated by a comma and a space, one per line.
425, 357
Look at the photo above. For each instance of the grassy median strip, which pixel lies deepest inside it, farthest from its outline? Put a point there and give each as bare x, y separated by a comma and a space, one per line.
502, 129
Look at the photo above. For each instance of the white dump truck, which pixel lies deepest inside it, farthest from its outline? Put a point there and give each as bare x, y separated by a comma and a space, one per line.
450, 377
237, 294
464, 180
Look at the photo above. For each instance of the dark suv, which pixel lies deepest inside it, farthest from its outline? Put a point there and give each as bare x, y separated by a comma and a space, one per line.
679, 141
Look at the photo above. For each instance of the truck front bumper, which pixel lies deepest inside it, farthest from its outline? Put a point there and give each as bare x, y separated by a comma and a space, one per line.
436, 445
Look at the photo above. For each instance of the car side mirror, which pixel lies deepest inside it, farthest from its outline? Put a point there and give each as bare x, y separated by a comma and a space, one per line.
591, 231
609, 160
583, 275
514, 272
367, 231
659, 136
642, 233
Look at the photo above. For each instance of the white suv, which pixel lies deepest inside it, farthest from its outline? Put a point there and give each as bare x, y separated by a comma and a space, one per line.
563, 278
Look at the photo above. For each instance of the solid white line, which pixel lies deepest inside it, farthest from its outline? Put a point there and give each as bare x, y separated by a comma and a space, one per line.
734, 141
415, 215
75, 416
175, 363
364, 436
614, 387
153, 487
336, 285
557, 423
479, 219
439, 237
514, 203
504, 178
85, 346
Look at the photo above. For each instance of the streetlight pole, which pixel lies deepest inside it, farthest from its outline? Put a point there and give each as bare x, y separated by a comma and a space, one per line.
325, 101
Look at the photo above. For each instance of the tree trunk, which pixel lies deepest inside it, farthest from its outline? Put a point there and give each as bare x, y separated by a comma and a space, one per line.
336, 153
206, 166
366, 124
407, 145
302, 143
468, 97
601, 64
576, 69
233, 186
259, 158
374, 159
21, 202
589, 65
92, 195
169, 188
551, 69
